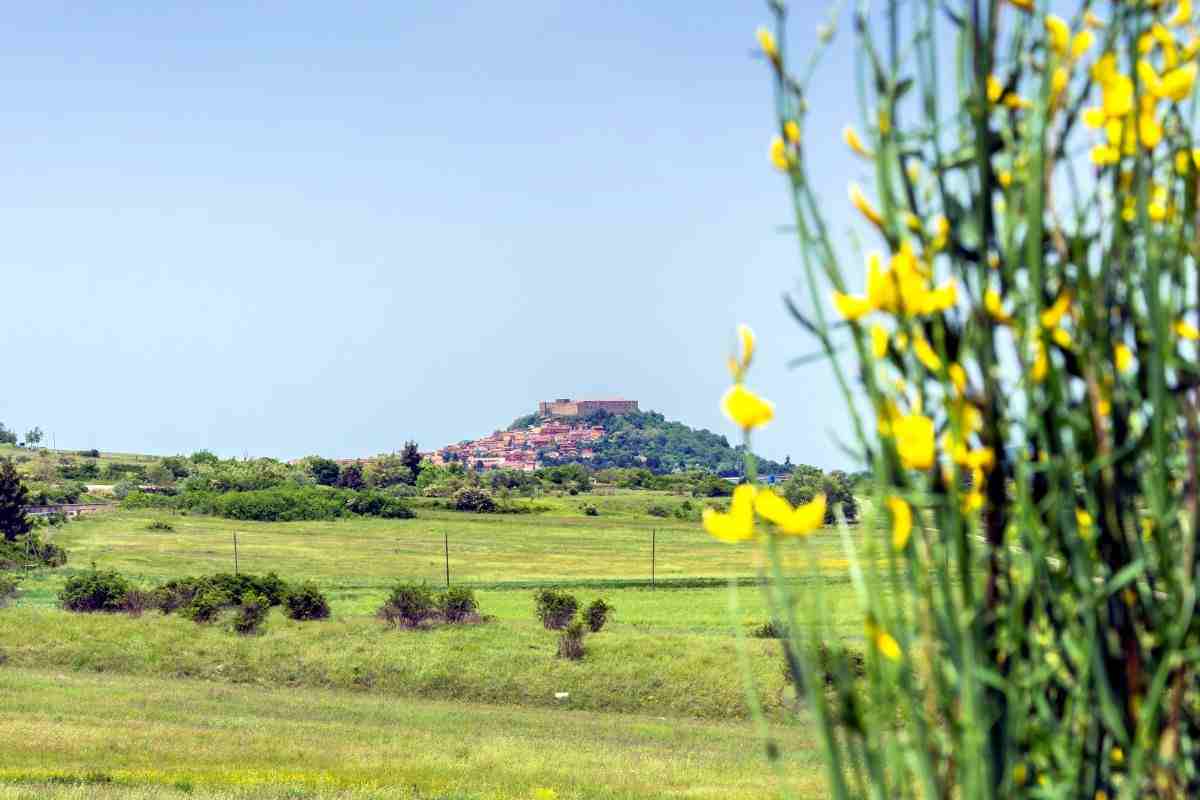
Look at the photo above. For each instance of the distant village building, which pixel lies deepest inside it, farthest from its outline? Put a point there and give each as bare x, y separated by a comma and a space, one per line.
566, 407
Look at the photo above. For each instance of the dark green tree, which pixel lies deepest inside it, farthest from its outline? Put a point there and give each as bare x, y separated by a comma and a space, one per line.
33, 437
7, 436
13, 499
351, 477
324, 471
411, 456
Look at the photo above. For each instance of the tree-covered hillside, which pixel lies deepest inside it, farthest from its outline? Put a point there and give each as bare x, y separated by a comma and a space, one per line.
648, 439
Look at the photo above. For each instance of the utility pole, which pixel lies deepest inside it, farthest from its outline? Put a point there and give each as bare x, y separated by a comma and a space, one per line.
446, 545
653, 554
235, 554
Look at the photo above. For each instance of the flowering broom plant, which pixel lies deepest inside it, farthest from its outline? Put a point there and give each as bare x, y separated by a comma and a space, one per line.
1022, 333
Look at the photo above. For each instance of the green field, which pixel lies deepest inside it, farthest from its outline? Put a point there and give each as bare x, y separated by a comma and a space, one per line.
669, 659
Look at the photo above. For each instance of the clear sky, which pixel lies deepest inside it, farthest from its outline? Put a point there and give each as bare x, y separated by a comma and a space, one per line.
282, 228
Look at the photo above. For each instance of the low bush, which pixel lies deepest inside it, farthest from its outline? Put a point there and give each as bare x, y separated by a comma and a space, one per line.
206, 605
380, 504
252, 612
570, 643
457, 604
160, 525
305, 602
476, 500
590, 510
94, 591
596, 614
554, 608
408, 605
8, 589
136, 602
658, 511
30, 549
767, 630
181, 593
93, 453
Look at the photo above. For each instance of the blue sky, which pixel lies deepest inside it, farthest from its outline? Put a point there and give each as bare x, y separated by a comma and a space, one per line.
286, 228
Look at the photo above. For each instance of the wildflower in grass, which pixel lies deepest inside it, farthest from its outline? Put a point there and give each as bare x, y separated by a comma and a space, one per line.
879, 340
902, 521
1187, 330
914, 440
1123, 357
1041, 363
855, 143
737, 524
791, 131
883, 641
1083, 521
801, 520
745, 408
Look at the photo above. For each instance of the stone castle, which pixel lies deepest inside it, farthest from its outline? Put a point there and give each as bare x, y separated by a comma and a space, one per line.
566, 407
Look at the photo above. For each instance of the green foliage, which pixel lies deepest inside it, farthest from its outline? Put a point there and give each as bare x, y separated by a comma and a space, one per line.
270, 505
596, 614
206, 605
323, 470
224, 586
807, 482
570, 642
159, 525
8, 588
94, 591
7, 436
79, 471
49, 494
476, 500
554, 608
305, 602
387, 470
411, 458
408, 605
252, 612
457, 603
30, 549
590, 510
204, 457
657, 510
573, 476
13, 498
244, 476
378, 504
351, 477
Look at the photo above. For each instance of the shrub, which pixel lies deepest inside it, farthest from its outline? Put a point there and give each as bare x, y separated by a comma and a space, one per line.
160, 525
94, 591
252, 612
408, 605
596, 615
477, 500
658, 511
306, 602
136, 602
591, 510
570, 643
767, 630
30, 550
457, 604
379, 504
93, 453
554, 608
206, 604
8, 589
181, 592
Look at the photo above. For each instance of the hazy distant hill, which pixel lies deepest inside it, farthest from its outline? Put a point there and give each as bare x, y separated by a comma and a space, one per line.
648, 439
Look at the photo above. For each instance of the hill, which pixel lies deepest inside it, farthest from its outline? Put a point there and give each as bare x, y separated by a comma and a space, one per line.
648, 439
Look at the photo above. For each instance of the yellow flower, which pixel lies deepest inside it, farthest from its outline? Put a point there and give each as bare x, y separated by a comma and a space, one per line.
779, 155
884, 642
1059, 34
1116, 96
1052, 316
902, 521
1005, 178
1103, 155
855, 143
1187, 330
736, 525
926, 355
1092, 21
942, 298
766, 41
1062, 338
746, 408
958, 376
1177, 84
791, 131
1083, 520
972, 501
1118, 756
851, 307
801, 520
914, 440
1041, 364
1183, 162
1123, 357
1182, 15
995, 307
1093, 117
995, 89
864, 206
746, 340
1082, 42
1150, 132
1024, 5
545, 794
879, 340
941, 230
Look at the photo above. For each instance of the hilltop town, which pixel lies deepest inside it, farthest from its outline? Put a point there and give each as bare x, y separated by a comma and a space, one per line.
562, 432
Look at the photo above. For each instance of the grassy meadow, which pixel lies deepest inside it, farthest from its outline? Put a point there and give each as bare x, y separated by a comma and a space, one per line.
656, 707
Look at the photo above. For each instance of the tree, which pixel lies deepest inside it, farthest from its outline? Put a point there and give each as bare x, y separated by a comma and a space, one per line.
7, 436
33, 437
387, 469
13, 499
411, 456
351, 477
323, 470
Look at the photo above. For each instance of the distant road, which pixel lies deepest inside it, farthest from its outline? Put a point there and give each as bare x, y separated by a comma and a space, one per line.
69, 509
